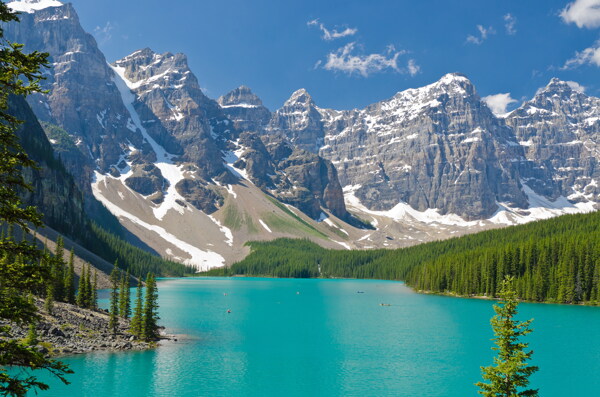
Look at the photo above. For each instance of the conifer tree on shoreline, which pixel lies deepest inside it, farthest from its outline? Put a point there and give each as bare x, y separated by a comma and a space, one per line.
58, 271
124, 296
150, 314
69, 281
144, 321
138, 309
510, 371
87, 302
94, 304
113, 322
82, 289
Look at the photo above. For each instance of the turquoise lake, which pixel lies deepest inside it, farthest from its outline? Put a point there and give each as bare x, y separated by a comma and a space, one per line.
290, 337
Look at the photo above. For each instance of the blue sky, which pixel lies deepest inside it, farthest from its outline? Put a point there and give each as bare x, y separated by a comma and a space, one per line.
352, 53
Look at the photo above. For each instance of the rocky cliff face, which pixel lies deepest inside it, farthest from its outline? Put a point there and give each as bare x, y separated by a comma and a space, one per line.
54, 191
440, 147
560, 129
294, 176
83, 99
245, 110
300, 121
434, 147
274, 157
168, 93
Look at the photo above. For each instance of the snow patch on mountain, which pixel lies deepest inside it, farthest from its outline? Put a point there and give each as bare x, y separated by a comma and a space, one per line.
345, 245
265, 226
324, 218
31, 6
225, 230
230, 157
240, 105
202, 260
164, 160
404, 212
539, 208
231, 191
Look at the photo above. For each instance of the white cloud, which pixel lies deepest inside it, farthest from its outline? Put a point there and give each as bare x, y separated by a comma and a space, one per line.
509, 23
104, 34
333, 33
344, 60
483, 35
412, 67
590, 56
575, 86
583, 13
499, 102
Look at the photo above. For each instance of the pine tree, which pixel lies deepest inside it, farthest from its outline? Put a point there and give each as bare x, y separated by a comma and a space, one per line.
94, 305
81, 292
58, 270
20, 273
138, 310
32, 336
150, 314
124, 296
114, 300
88, 288
49, 300
510, 371
69, 281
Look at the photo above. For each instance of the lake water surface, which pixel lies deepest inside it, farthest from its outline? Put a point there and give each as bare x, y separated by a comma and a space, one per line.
289, 337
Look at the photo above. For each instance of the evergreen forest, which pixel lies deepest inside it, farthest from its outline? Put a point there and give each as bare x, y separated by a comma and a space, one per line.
555, 260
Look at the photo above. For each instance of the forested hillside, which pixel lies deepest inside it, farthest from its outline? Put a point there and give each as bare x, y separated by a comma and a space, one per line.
556, 260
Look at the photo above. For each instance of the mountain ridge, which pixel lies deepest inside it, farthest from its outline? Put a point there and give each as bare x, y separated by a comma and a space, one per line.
195, 177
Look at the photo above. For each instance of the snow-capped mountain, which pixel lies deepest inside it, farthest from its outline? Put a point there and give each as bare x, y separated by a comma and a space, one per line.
560, 130
30, 6
439, 150
167, 88
434, 147
165, 159
83, 99
196, 178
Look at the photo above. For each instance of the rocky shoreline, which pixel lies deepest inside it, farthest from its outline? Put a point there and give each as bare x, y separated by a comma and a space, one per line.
72, 330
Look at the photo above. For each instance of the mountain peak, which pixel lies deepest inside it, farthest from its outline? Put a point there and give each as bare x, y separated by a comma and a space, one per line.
300, 96
454, 79
556, 83
31, 6
558, 86
455, 76
144, 53
146, 58
452, 84
241, 96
